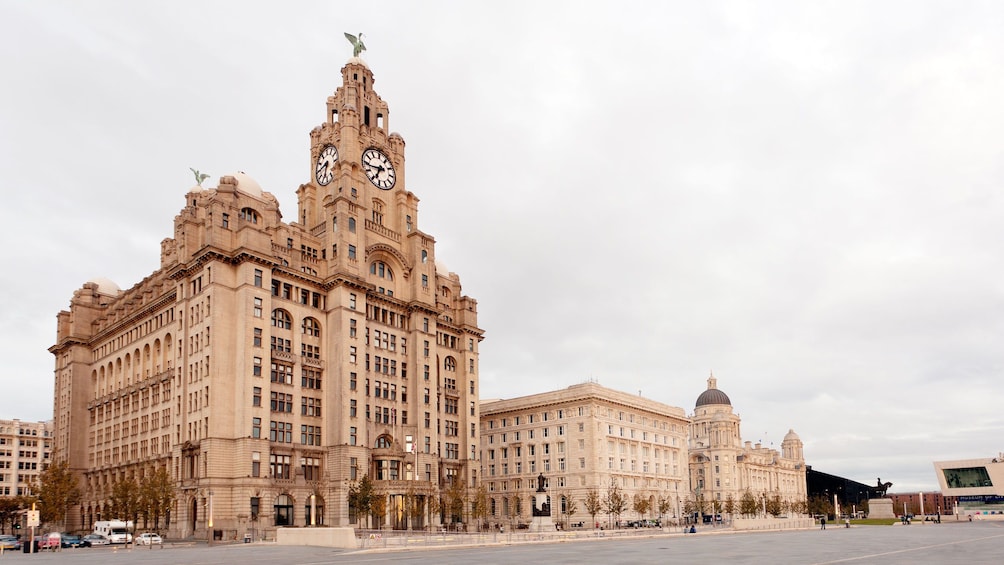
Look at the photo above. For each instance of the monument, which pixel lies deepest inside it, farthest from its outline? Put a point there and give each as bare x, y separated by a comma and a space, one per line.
880, 506
542, 521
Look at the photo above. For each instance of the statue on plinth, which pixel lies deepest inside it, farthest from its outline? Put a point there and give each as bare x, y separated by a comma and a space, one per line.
541, 507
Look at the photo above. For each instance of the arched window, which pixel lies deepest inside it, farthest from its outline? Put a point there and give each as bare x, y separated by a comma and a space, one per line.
311, 327
425, 256
352, 225
450, 364
283, 510
281, 319
383, 442
249, 215
380, 269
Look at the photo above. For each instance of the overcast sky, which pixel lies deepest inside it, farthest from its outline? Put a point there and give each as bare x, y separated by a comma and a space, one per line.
802, 197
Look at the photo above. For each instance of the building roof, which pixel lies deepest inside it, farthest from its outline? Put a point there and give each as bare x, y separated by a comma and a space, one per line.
712, 395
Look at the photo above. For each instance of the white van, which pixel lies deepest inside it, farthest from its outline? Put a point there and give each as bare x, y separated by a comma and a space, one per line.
117, 531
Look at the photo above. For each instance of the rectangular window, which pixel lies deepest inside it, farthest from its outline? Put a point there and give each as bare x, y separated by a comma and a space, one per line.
279, 466
256, 397
256, 428
257, 276
310, 406
352, 435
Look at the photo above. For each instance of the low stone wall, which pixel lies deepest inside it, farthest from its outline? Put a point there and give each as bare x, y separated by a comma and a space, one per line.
321, 537
771, 523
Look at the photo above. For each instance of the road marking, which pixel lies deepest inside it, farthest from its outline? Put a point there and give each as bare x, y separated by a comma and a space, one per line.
921, 548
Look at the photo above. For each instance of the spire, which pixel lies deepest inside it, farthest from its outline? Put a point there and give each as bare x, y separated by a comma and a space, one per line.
712, 381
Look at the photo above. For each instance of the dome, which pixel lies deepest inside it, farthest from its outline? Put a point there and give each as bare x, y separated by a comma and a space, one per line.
441, 267
712, 395
791, 435
106, 286
247, 185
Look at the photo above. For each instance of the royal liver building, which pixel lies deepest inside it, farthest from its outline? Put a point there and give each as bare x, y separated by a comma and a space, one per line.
269, 366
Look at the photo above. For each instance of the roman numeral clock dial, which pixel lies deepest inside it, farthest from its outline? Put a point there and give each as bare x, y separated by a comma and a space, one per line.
325, 169
379, 169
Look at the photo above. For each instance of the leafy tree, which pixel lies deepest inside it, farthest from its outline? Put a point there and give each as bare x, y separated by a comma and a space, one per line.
730, 505
690, 506
456, 497
641, 504
126, 503
515, 510
820, 505
774, 506
615, 502
414, 506
57, 491
157, 496
361, 498
435, 504
748, 505
379, 509
663, 506
9, 509
479, 505
593, 503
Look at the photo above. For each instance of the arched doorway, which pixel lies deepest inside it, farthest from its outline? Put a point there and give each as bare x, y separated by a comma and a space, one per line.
194, 515
283, 510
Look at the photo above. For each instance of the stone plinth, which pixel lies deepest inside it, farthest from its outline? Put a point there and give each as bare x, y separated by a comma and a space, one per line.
542, 524
321, 537
880, 508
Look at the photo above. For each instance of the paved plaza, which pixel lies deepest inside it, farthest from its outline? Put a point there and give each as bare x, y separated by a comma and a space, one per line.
971, 543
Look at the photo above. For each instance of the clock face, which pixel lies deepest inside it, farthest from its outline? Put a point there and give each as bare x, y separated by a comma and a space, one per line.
325, 169
379, 169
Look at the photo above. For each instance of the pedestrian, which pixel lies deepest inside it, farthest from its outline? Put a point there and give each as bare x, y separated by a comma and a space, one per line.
822, 523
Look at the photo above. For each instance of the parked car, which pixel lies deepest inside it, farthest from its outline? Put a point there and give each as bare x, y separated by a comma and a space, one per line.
51, 540
149, 538
90, 540
9, 542
70, 540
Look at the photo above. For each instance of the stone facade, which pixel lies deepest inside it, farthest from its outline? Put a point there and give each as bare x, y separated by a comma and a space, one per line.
722, 466
583, 438
270, 365
25, 448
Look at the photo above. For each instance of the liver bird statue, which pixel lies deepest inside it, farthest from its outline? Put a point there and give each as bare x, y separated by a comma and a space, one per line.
357, 43
199, 177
